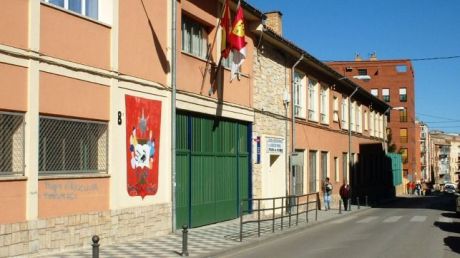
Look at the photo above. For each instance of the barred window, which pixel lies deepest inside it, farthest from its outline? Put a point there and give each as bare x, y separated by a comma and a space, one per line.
11, 144
72, 146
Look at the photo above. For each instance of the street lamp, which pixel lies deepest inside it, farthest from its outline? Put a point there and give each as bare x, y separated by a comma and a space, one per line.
349, 134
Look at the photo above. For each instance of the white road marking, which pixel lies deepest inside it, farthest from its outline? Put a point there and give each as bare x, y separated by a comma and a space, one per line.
445, 220
339, 221
392, 219
418, 219
368, 219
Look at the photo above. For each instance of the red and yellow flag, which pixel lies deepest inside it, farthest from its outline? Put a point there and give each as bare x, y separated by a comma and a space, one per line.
238, 42
226, 30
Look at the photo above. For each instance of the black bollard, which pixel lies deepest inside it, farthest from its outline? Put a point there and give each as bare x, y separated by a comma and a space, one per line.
357, 202
95, 246
349, 204
367, 203
340, 206
184, 241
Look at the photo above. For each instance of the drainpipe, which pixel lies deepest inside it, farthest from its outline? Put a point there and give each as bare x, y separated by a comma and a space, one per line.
173, 112
293, 121
349, 133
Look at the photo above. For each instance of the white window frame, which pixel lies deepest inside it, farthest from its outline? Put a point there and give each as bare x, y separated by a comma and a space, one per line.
337, 169
371, 123
352, 116
344, 117
300, 94
359, 118
83, 10
324, 108
194, 44
385, 93
366, 120
403, 92
375, 92
313, 99
335, 115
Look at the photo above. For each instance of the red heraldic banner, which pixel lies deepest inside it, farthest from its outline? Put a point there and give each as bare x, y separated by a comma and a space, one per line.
143, 119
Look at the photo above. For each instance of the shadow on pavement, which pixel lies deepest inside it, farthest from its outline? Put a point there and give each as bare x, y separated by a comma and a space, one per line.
453, 243
435, 202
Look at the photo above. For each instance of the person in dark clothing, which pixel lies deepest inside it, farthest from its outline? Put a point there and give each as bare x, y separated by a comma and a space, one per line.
345, 194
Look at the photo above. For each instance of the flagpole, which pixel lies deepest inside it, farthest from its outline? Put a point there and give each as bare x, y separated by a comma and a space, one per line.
219, 65
210, 51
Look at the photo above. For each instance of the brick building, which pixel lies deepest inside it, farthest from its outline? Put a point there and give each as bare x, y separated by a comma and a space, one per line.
393, 82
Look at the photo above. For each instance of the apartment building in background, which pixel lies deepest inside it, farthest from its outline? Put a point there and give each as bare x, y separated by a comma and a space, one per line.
425, 160
393, 82
445, 157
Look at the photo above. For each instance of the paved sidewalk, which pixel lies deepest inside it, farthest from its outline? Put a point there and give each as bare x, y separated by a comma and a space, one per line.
208, 241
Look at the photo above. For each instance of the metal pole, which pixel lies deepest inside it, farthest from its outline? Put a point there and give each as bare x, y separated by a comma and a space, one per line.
241, 221
357, 202
366, 200
258, 217
173, 111
184, 241
317, 206
349, 204
349, 134
95, 246
308, 204
273, 216
282, 212
291, 187
340, 206
297, 211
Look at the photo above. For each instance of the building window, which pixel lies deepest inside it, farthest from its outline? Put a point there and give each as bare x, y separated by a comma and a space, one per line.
344, 113
12, 144
366, 120
194, 38
375, 92
401, 68
312, 99
404, 155
352, 117
336, 109
336, 169
88, 8
323, 166
299, 95
386, 95
345, 166
312, 171
362, 71
72, 146
358, 118
403, 95
324, 109
403, 135
403, 115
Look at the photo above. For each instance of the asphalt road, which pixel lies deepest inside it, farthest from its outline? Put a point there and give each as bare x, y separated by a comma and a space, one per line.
410, 227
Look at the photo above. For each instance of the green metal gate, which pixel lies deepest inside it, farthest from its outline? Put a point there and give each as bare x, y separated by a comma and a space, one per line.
212, 169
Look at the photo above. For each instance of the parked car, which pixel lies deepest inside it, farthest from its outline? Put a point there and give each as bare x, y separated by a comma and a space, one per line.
450, 188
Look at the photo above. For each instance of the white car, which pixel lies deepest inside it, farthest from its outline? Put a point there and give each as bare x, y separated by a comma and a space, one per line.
450, 188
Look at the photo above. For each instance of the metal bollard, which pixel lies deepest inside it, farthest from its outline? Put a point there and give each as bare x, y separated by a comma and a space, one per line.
349, 204
357, 202
340, 206
95, 245
366, 199
184, 241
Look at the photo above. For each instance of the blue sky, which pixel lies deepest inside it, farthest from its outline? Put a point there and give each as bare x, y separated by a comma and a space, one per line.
394, 29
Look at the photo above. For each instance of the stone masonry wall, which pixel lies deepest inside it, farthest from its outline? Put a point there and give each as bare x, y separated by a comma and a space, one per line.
45, 236
271, 80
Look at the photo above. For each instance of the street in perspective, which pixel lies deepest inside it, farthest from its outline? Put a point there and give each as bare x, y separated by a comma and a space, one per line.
229, 128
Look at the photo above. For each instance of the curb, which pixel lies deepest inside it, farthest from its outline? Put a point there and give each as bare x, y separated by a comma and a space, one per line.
277, 235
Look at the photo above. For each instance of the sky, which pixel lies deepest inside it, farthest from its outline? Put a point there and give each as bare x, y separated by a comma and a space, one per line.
393, 29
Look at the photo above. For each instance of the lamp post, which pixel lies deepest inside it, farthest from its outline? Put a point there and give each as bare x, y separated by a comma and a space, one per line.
349, 134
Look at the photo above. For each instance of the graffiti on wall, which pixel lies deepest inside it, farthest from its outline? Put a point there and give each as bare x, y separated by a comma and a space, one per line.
68, 190
143, 118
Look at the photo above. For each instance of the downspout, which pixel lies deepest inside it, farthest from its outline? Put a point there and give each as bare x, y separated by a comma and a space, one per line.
173, 112
293, 121
349, 134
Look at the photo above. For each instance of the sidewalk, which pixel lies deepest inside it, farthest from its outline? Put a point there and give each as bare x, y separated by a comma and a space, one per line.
208, 241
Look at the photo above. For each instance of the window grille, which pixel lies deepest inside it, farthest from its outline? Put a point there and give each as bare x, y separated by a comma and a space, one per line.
72, 146
12, 144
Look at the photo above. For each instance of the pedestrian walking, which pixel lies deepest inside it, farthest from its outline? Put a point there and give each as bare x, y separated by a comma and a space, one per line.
345, 194
327, 189
418, 189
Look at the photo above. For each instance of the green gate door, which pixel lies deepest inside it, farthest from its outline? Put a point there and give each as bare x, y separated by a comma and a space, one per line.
212, 170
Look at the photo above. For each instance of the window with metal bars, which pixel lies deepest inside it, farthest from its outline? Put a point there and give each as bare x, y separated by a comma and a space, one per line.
72, 146
12, 144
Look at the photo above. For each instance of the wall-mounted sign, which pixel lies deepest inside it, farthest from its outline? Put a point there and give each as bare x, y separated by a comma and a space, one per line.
275, 145
256, 146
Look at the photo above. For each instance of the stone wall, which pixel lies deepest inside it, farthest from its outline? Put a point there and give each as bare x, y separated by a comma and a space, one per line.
40, 237
271, 82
